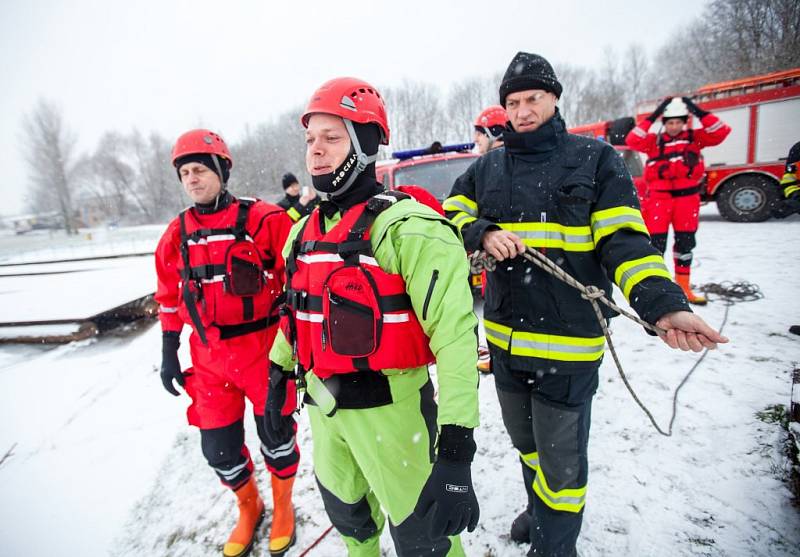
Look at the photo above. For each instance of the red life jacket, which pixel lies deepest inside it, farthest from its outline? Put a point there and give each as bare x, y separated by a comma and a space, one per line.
224, 280
343, 312
678, 158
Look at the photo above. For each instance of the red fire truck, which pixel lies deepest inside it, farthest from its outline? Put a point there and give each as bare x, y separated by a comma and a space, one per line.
435, 168
744, 171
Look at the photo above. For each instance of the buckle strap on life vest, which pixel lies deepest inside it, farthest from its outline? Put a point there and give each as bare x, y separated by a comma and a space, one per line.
230, 331
188, 294
302, 301
205, 272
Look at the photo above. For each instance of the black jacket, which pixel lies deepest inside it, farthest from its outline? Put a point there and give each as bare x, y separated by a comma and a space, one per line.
293, 207
572, 198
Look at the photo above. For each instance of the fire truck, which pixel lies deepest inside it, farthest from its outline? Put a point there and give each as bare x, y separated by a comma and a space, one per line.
434, 168
744, 171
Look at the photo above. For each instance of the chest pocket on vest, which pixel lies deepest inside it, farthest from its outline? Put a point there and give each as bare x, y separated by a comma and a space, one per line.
243, 272
352, 318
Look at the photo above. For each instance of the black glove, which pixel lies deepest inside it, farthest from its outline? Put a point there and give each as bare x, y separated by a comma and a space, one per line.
277, 427
693, 108
786, 207
448, 503
170, 366
659, 110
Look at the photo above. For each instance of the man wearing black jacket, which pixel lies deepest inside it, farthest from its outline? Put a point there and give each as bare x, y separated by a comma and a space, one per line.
296, 206
572, 199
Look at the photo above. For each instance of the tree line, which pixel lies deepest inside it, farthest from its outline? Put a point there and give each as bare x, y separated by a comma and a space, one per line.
128, 177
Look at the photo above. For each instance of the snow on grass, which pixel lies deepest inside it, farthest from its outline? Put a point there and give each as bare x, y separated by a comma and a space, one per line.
103, 459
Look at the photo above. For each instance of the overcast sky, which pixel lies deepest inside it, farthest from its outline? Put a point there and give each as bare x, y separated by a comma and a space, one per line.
171, 65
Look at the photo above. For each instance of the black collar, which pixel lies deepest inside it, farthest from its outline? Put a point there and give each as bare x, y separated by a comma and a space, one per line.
222, 201
541, 140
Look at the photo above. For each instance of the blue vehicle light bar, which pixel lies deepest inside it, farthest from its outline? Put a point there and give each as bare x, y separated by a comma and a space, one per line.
432, 150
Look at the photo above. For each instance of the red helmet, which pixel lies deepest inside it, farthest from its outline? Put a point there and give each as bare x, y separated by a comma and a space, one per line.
201, 141
350, 98
495, 115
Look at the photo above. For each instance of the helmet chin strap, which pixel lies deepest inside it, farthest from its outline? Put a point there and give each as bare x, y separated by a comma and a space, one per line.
215, 158
362, 160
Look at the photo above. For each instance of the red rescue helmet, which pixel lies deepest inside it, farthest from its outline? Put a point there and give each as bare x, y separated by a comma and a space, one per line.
201, 142
352, 99
495, 115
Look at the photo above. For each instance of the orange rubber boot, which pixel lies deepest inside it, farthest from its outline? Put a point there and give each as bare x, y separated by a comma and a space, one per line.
282, 532
683, 282
251, 513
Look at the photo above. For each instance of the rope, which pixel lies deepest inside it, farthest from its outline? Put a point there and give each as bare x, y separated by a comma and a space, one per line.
316, 542
729, 293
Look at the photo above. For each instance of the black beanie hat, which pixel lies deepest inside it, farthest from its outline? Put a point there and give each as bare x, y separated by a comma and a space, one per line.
529, 71
206, 160
288, 179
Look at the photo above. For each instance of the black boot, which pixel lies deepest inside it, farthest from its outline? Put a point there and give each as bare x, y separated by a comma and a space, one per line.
795, 329
521, 527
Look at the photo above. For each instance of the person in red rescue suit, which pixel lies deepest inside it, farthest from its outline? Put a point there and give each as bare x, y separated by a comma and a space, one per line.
377, 290
221, 272
672, 173
488, 135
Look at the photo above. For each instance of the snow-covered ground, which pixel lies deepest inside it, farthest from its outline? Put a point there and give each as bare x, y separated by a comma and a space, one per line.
99, 461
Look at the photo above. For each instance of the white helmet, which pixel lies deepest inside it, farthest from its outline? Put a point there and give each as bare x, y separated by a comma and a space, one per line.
675, 109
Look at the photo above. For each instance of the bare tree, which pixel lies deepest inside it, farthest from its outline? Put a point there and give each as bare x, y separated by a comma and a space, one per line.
465, 101
49, 152
266, 154
730, 40
416, 118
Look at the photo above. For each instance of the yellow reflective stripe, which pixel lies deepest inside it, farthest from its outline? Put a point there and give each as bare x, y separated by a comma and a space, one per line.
531, 460
790, 190
497, 334
461, 203
293, 214
570, 500
540, 345
606, 222
557, 347
631, 273
461, 219
551, 235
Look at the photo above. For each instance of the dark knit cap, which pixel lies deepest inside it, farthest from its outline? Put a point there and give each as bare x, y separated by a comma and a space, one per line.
288, 179
206, 160
529, 71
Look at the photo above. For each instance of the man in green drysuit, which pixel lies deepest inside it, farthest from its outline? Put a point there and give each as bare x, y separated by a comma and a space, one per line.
366, 256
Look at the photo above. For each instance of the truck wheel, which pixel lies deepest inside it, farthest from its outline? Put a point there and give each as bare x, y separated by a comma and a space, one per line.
747, 198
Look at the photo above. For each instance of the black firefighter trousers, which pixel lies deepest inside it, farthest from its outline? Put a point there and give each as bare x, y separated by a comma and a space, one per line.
548, 417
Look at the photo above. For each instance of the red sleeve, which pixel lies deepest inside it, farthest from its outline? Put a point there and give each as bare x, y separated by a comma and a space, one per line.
167, 257
271, 228
640, 139
713, 132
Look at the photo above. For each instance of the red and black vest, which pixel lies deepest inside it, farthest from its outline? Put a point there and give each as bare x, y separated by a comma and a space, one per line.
343, 312
678, 159
225, 282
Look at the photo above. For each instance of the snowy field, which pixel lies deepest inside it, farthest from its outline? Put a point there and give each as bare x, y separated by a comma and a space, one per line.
96, 458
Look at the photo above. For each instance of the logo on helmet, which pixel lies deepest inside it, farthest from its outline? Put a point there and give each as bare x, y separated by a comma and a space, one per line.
207, 140
348, 103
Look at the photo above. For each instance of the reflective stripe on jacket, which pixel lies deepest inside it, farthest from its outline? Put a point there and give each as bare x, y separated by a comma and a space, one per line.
571, 198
